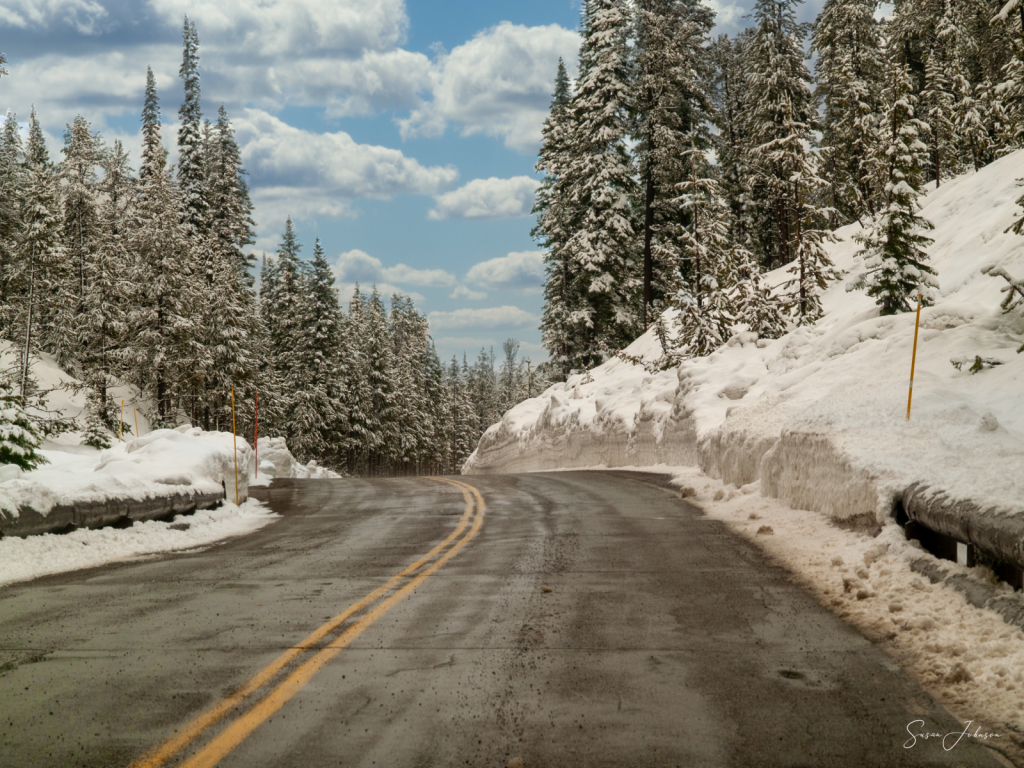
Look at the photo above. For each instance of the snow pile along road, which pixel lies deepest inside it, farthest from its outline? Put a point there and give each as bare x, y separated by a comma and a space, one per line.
818, 417
275, 460
165, 471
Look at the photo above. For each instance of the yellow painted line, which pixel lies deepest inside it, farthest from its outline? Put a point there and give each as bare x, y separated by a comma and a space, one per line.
239, 730
184, 736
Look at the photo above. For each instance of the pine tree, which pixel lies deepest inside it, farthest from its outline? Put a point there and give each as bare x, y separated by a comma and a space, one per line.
850, 74
191, 173
557, 215
894, 246
39, 259
20, 440
12, 191
104, 321
163, 347
600, 176
95, 433
937, 101
704, 316
673, 110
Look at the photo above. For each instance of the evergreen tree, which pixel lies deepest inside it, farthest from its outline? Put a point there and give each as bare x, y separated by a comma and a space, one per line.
557, 215
704, 315
191, 173
12, 192
673, 110
39, 260
20, 440
600, 176
894, 246
850, 75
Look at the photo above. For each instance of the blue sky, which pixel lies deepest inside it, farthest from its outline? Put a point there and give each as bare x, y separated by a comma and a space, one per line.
403, 133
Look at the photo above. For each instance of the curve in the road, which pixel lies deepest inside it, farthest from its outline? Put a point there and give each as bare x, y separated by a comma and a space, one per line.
372, 607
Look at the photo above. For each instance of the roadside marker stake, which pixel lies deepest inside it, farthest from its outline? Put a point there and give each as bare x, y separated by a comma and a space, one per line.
234, 442
136, 415
913, 358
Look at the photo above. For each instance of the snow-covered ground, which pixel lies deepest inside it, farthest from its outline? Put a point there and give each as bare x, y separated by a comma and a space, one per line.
161, 463
47, 554
819, 416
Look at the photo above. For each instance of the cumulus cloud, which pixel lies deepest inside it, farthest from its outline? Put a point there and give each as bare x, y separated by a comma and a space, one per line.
498, 84
401, 273
296, 27
482, 318
522, 270
462, 292
82, 15
491, 198
304, 174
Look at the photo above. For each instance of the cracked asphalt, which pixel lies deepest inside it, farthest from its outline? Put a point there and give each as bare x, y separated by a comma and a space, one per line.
595, 620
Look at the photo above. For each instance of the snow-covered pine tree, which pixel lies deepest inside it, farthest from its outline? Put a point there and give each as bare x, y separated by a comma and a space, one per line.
228, 196
81, 235
161, 346
37, 270
409, 338
12, 182
850, 72
191, 173
20, 440
704, 315
104, 320
937, 131
754, 304
600, 177
510, 384
280, 305
363, 437
436, 458
382, 396
315, 384
464, 417
556, 216
780, 121
483, 390
95, 432
672, 110
893, 245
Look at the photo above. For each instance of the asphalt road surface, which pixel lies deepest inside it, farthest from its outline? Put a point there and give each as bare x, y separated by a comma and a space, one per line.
558, 620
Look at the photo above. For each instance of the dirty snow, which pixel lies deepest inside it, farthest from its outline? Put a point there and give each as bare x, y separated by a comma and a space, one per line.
47, 554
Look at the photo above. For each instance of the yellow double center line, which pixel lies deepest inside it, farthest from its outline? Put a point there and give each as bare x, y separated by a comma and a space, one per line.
394, 591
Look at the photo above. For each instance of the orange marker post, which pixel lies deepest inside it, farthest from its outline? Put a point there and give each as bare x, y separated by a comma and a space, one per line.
136, 415
913, 359
234, 442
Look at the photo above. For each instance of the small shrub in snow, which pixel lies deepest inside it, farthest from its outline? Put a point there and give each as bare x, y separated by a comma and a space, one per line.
19, 437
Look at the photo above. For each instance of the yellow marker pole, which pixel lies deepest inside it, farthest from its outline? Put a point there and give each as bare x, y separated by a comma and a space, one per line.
136, 415
913, 359
234, 442
120, 424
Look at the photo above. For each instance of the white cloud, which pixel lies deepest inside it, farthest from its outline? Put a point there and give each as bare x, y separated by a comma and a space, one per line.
303, 174
294, 27
357, 267
83, 15
402, 273
491, 198
520, 270
498, 84
482, 318
462, 292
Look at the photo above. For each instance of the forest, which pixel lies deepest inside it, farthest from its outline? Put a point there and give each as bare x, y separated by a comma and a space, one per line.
144, 278
678, 169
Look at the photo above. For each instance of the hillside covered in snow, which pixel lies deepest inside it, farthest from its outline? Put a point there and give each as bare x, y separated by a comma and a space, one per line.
818, 417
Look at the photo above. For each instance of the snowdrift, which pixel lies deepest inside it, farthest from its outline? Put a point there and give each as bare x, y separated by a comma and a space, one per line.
163, 472
818, 417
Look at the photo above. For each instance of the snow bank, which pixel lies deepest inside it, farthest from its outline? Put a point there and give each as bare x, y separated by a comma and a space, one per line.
818, 417
35, 556
185, 462
275, 460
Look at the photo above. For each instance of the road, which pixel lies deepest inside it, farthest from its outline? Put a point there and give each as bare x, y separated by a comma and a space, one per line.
559, 620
